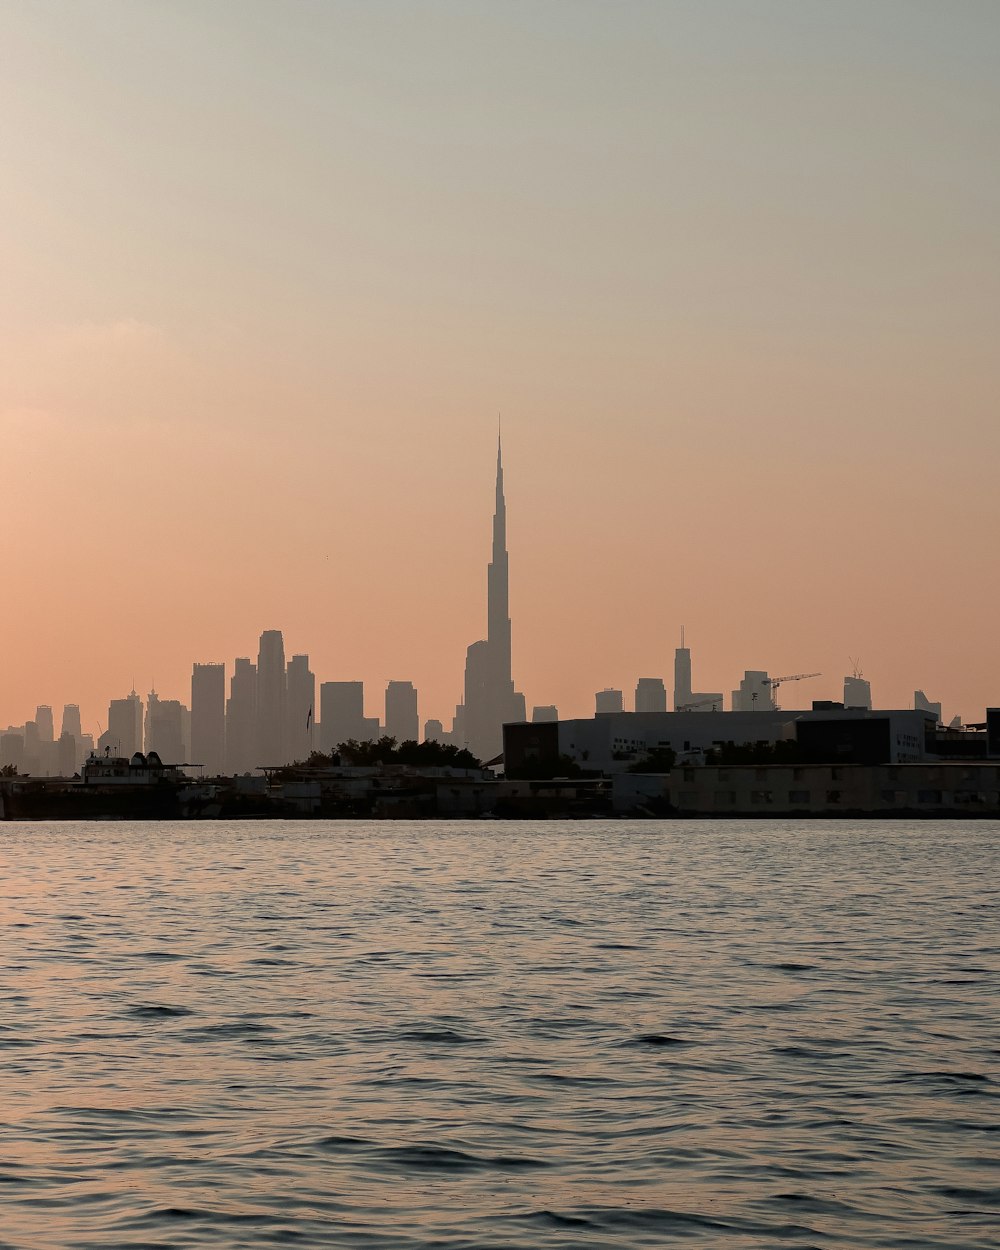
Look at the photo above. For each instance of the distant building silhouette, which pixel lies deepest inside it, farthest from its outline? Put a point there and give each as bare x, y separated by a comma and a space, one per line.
165, 729
857, 693
341, 714
401, 720
44, 721
301, 708
12, 751
208, 718
921, 703
686, 699
72, 728
241, 719
152, 700
456, 736
433, 731
32, 749
124, 732
754, 693
650, 695
71, 720
682, 675
272, 700
609, 700
490, 697
544, 714
66, 751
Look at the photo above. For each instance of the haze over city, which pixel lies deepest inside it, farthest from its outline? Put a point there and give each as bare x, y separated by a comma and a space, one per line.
728, 271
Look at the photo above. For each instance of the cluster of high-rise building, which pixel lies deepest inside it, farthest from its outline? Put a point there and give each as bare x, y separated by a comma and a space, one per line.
34, 748
274, 713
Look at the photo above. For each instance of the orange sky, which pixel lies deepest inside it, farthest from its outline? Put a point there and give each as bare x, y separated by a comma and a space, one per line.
730, 273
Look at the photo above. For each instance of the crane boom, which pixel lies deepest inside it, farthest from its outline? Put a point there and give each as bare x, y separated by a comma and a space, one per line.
775, 682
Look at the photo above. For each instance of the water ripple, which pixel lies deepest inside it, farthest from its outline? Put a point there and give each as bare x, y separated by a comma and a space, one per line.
577, 1036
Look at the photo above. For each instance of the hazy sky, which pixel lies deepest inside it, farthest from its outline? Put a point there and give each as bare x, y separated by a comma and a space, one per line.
730, 270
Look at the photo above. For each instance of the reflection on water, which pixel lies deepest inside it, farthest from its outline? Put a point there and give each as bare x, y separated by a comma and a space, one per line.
509, 1035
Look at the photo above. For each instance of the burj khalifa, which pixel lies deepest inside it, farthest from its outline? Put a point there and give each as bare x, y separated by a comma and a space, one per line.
490, 697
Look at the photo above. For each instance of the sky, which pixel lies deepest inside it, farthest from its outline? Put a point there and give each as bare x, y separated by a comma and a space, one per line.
728, 270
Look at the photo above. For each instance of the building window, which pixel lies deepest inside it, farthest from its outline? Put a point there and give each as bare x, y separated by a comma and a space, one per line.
931, 797
833, 796
799, 798
759, 797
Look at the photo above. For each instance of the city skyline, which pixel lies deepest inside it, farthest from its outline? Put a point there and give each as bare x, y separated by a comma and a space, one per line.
274, 712
728, 272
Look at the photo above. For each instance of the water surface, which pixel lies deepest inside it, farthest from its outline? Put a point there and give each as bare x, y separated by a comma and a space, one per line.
510, 1035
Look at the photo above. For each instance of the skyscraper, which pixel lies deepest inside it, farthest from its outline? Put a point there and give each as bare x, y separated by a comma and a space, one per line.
44, 721
686, 699
608, 701
650, 695
124, 732
754, 693
71, 720
208, 718
857, 692
241, 719
490, 697
272, 699
342, 714
165, 729
66, 753
401, 720
301, 708
683, 694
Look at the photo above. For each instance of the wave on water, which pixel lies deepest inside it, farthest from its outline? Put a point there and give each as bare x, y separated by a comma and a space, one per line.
554, 1036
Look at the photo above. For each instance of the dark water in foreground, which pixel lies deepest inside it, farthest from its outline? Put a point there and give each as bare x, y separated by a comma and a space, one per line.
504, 1035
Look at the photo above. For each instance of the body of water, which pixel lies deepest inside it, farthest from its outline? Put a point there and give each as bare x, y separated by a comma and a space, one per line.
577, 1035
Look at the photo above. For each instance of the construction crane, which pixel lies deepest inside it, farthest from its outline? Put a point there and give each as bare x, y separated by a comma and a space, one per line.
775, 682
690, 707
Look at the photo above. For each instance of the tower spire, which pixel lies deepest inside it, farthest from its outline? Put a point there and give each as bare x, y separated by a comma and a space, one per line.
490, 697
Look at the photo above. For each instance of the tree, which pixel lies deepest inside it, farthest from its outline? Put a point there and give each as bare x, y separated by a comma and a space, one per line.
9, 770
546, 769
384, 750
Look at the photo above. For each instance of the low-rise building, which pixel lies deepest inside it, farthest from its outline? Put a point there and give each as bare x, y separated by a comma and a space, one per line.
925, 789
615, 742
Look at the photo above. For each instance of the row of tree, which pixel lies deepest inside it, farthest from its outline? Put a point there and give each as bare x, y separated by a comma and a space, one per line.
386, 750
